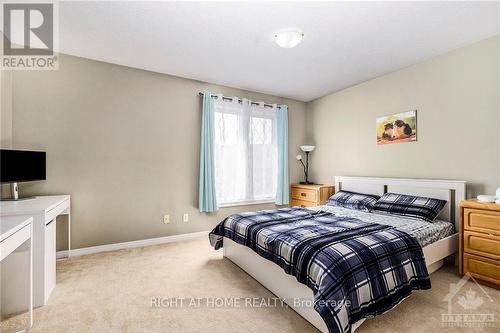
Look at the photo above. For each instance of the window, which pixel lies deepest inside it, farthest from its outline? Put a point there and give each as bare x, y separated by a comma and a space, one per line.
245, 152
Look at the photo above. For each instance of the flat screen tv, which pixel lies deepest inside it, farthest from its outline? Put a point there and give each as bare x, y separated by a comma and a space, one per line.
21, 166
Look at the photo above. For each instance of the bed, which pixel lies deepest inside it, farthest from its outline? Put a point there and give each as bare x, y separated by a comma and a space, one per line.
436, 244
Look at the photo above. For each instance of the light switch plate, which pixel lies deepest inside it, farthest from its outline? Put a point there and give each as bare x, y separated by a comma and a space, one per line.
166, 219
185, 217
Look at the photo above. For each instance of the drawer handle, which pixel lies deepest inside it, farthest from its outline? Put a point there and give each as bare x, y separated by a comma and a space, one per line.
302, 194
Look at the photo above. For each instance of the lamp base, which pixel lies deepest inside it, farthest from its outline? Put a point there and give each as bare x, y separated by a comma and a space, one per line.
307, 183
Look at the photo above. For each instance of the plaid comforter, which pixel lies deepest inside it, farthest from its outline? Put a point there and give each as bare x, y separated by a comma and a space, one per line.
355, 269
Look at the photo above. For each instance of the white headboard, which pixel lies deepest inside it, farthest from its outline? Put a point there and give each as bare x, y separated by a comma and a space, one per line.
453, 191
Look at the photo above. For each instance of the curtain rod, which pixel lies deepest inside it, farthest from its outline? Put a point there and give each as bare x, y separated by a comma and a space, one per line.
239, 100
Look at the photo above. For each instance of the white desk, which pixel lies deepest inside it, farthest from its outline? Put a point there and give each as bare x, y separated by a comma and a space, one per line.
14, 232
44, 210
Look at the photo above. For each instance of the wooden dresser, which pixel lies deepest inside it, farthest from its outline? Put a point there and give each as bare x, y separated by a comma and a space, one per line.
310, 195
480, 241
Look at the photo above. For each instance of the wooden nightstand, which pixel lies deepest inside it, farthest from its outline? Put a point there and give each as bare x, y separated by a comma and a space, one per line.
310, 195
480, 241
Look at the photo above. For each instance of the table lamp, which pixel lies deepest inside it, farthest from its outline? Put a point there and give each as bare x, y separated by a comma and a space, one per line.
307, 150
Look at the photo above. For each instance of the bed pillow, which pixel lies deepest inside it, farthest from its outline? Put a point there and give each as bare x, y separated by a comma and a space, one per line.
353, 200
408, 205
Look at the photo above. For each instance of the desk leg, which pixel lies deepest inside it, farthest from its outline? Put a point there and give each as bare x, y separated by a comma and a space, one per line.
30, 322
69, 233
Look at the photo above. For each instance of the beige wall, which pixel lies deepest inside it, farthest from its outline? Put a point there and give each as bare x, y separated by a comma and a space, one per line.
125, 144
458, 103
5, 116
5, 105
5, 108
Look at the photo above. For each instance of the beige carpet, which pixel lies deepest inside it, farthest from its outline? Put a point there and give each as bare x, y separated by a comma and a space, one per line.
111, 292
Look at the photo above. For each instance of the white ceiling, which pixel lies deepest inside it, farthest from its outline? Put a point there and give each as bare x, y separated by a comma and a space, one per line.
232, 43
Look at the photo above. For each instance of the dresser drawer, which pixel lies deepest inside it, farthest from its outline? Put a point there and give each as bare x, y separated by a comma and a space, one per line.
482, 268
482, 220
304, 194
302, 203
482, 244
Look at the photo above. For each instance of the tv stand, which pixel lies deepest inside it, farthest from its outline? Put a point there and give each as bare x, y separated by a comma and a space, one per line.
14, 191
18, 199
14, 194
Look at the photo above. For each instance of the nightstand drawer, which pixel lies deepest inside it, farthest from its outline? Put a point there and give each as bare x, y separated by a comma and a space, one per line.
304, 194
487, 245
482, 220
302, 203
482, 268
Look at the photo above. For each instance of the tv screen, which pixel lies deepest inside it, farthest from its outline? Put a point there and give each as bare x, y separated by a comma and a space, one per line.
21, 165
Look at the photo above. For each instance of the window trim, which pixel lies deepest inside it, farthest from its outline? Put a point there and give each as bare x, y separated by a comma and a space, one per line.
246, 203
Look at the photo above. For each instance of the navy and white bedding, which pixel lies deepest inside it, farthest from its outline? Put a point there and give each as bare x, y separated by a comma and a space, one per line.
356, 268
409, 206
425, 232
352, 200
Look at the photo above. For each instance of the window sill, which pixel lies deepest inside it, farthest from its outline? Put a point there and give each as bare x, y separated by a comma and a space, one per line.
247, 203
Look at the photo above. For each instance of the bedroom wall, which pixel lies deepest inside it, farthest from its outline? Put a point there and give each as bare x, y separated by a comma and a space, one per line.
5, 116
458, 103
5, 104
5, 108
125, 144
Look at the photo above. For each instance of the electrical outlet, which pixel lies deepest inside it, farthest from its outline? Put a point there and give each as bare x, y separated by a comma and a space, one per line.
166, 219
185, 217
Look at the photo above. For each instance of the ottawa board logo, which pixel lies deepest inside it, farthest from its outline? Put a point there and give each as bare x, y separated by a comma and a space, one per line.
468, 305
29, 36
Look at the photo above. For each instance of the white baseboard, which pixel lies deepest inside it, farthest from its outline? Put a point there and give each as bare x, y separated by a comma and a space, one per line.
128, 245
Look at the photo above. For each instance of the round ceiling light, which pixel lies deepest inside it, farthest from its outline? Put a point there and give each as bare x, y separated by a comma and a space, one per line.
288, 39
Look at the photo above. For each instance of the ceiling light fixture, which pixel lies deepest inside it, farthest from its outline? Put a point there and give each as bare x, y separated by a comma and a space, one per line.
288, 39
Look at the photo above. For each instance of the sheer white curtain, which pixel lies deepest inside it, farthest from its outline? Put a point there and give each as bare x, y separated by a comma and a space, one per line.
246, 157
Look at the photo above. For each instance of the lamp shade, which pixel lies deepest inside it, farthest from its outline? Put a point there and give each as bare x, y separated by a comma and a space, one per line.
307, 149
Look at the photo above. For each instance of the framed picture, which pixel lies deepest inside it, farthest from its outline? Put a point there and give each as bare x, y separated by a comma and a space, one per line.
397, 128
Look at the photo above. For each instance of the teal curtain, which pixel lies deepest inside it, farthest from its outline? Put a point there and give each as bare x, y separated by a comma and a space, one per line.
207, 196
282, 190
